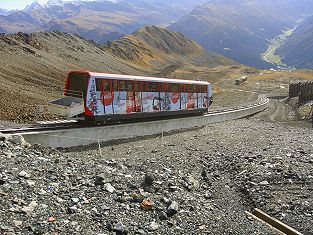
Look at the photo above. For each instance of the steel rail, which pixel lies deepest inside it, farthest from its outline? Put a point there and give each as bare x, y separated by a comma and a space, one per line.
275, 223
40, 127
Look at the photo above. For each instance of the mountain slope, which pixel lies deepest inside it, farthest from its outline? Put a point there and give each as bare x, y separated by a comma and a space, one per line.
22, 20
156, 47
298, 49
3, 11
239, 29
97, 20
33, 68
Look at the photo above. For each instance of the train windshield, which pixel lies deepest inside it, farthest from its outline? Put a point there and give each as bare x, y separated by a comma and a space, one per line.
77, 85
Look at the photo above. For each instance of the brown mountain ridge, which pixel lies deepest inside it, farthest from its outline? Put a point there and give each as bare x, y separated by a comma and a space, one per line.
156, 47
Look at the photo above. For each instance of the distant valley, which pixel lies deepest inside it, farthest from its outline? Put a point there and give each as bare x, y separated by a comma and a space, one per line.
297, 51
270, 55
241, 29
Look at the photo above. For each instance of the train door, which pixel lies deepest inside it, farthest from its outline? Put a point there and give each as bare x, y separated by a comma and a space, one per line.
150, 97
93, 99
191, 97
199, 97
205, 96
137, 94
163, 95
130, 97
184, 96
145, 97
154, 91
98, 107
116, 97
210, 95
106, 96
175, 96
119, 103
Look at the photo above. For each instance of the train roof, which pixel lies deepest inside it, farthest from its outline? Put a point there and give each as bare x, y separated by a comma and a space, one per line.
141, 78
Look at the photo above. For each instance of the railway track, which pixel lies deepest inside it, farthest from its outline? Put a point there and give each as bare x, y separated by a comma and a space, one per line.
42, 126
63, 125
74, 124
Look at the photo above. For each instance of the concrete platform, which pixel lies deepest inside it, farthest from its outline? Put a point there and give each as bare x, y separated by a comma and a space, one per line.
85, 136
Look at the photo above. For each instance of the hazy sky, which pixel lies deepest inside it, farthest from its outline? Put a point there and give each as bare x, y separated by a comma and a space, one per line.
17, 4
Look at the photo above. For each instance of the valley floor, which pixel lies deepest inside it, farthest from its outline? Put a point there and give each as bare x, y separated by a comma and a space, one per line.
270, 55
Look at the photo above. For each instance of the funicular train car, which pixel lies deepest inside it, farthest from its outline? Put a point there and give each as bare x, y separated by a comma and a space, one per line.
102, 97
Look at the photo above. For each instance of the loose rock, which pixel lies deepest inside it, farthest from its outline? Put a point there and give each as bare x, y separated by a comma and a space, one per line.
172, 209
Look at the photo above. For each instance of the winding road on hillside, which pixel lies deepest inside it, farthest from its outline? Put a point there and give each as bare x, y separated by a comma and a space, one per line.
278, 111
281, 111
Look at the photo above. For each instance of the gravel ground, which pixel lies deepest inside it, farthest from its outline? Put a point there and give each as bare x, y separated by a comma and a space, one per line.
195, 182
6, 124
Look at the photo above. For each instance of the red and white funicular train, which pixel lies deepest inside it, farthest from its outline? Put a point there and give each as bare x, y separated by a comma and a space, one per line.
114, 97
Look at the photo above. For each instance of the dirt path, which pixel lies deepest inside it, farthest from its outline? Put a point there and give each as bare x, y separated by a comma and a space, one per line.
278, 111
282, 112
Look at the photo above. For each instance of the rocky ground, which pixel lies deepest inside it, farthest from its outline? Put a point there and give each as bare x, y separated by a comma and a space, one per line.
196, 182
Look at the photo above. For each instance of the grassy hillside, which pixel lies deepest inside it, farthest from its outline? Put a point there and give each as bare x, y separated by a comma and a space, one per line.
155, 47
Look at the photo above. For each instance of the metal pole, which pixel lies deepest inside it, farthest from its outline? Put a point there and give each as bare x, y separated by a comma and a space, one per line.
99, 147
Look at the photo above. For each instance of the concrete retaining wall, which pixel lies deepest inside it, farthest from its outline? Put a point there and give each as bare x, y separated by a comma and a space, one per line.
86, 136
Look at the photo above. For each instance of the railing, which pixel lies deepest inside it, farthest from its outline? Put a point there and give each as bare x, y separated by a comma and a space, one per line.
73, 93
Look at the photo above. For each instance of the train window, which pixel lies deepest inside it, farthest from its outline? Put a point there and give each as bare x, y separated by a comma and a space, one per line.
137, 86
106, 85
183, 88
192, 88
77, 85
204, 89
174, 87
122, 86
153, 86
129, 86
115, 85
103, 85
164, 87
98, 84
144, 86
